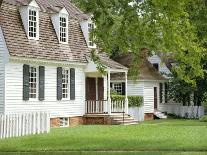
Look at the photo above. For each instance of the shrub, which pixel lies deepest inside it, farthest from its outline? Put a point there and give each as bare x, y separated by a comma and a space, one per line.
203, 119
133, 100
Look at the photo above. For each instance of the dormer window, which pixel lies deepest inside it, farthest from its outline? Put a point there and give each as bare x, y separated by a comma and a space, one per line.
30, 19
63, 29
32, 23
60, 23
90, 34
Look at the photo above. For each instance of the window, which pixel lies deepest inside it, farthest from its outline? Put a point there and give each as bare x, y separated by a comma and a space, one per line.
32, 23
64, 122
118, 87
63, 29
65, 83
32, 82
90, 33
156, 66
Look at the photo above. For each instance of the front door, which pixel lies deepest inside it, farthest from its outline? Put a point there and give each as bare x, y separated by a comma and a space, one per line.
94, 89
155, 97
90, 88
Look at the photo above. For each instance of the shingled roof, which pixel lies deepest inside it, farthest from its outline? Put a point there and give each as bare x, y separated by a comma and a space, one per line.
146, 70
48, 46
110, 63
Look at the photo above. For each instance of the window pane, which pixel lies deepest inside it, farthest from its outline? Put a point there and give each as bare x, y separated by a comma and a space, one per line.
65, 83
63, 29
32, 23
32, 82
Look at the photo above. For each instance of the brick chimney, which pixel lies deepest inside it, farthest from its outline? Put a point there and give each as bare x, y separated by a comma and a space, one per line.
144, 53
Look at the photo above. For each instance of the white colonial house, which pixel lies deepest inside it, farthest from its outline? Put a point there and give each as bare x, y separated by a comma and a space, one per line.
150, 83
45, 64
163, 63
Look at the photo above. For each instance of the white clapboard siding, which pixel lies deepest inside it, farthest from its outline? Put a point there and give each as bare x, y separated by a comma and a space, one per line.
182, 111
64, 108
21, 124
137, 113
135, 88
149, 96
3, 58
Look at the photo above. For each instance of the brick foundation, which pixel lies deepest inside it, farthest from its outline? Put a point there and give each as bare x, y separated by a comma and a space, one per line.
54, 122
74, 121
97, 120
148, 116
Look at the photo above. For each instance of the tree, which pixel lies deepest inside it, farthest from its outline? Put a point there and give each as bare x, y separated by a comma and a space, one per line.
160, 25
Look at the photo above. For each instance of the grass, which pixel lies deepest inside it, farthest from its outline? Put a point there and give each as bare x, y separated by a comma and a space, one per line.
167, 136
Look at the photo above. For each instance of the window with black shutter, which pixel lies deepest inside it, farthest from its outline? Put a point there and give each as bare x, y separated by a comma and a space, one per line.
65, 83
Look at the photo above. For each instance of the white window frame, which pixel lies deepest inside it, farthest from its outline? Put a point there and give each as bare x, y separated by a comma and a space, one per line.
64, 122
117, 83
37, 82
37, 23
63, 83
91, 43
66, 28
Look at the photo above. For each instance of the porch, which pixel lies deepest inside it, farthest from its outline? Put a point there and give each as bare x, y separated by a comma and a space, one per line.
98, 89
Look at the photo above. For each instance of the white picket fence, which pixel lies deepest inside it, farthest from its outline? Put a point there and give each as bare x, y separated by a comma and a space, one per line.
182, 111
137, 113
21, 124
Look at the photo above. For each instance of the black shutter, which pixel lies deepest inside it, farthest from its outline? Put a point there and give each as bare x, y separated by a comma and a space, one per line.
41, 83
166, 92
25, 82
123, 88
161, 93
72, 83
59, 83
111, 85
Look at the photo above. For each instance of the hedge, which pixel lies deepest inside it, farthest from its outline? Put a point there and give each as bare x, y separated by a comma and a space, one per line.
133, 100
203, 119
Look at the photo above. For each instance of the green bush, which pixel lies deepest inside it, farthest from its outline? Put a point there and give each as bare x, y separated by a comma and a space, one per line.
136, 101
203, 119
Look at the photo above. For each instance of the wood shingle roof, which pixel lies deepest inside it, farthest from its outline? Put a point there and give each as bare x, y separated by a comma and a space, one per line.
48, 46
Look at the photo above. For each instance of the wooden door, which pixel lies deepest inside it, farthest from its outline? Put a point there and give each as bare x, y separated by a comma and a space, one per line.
90, 88
100, 88
155, 97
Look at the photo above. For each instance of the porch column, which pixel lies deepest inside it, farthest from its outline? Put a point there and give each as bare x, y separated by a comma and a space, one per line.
126, 95
109, 93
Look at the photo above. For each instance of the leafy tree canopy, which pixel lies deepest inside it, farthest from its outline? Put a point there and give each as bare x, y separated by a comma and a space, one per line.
171, 26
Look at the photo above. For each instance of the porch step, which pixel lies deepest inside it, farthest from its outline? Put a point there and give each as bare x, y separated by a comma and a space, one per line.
160, 115
119, 120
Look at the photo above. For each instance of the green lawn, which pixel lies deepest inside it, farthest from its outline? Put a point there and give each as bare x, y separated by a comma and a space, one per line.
152, 136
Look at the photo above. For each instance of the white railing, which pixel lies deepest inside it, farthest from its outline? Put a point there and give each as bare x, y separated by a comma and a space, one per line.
21, 124
137, 113
182, 111
117, 106
96, 106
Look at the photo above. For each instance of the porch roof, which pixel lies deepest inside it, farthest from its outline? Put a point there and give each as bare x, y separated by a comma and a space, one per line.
111, 64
